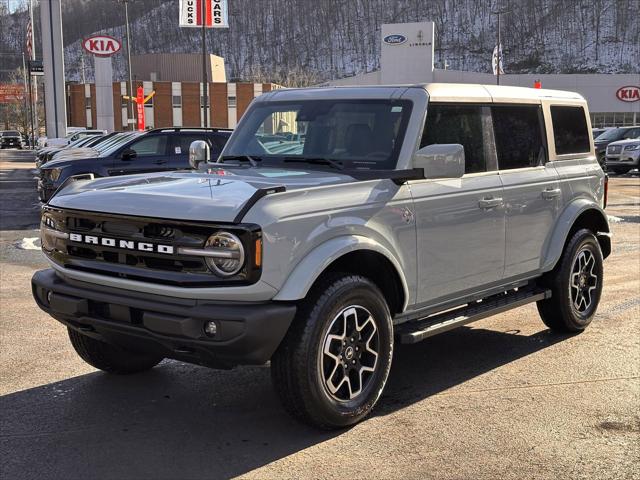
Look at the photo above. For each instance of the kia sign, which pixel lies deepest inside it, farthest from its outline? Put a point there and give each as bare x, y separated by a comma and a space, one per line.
395, 39
630, 93
101, 45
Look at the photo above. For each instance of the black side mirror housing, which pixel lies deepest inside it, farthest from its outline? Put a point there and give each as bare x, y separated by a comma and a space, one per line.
128, 154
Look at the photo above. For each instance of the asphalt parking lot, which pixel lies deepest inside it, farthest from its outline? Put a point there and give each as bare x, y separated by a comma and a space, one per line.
503, 399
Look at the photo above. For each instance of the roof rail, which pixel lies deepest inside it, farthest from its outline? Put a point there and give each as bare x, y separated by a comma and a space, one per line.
180, 129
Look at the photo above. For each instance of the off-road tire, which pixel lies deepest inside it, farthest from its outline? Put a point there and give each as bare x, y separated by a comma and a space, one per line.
559, 312
296, 370
110, 358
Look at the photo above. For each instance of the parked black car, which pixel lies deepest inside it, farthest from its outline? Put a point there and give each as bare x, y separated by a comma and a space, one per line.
11, 139
157, 150
613, 135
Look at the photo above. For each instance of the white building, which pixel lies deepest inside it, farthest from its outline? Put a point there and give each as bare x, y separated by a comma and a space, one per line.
407, 56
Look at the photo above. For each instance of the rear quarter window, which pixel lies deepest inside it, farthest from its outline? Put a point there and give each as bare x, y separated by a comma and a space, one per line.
570, 131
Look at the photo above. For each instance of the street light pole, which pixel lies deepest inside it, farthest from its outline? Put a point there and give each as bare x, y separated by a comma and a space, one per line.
130, 87
498, 46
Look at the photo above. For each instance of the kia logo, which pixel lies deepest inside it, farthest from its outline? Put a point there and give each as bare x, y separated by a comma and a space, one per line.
101, 45
394, 39
630, 93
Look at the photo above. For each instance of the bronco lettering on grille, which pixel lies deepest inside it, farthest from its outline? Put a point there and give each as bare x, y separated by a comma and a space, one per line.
125, 244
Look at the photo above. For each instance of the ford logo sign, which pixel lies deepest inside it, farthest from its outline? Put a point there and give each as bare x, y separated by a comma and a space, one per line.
394, 39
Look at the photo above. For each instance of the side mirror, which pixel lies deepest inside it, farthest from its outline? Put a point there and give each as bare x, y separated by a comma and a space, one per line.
198, 153
128, 154
441, 160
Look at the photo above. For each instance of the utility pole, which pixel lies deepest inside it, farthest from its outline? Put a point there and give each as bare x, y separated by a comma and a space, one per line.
205, 86
499, 45
130, 86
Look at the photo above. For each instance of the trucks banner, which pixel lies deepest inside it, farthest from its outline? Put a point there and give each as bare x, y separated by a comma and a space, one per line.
216, 13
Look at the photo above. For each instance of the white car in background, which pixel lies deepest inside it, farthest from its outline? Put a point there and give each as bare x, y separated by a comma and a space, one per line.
623, 156
71, 137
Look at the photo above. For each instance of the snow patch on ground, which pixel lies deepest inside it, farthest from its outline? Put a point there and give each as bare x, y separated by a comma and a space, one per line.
31, 243
614, 219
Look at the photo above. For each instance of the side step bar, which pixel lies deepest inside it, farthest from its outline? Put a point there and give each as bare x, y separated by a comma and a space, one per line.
417, 330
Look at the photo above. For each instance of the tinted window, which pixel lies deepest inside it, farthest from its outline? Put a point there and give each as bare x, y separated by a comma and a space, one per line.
458, 124
518, 133
570, 130
153, 145
632, 133
181, 143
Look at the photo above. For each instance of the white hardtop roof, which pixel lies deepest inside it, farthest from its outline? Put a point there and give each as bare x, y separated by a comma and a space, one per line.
438, 92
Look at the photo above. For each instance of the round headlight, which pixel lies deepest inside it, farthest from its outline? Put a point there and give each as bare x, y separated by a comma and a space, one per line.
229, 258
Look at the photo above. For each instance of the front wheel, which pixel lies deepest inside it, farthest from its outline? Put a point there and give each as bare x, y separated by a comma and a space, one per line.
576, 285
334, 362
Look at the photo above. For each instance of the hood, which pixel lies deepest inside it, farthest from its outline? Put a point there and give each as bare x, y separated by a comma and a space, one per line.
63, 157
626, 141
220, 195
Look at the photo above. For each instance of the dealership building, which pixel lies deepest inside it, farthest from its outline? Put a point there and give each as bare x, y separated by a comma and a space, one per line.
178, 100
407, 56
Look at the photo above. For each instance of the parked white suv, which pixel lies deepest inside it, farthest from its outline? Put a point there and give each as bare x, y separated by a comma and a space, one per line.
71, 137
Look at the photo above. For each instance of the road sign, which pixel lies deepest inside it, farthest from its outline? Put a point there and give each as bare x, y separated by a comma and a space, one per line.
36, 68
216, 13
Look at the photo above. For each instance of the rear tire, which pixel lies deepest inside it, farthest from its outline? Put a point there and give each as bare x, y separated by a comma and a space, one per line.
332, 365
110, 358
576, 285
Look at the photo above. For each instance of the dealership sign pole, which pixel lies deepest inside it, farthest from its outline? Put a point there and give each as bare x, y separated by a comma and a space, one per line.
102, 47
204, 14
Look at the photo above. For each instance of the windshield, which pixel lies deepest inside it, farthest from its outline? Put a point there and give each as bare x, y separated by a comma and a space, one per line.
10, 133
362, 134
107, 148
613, 134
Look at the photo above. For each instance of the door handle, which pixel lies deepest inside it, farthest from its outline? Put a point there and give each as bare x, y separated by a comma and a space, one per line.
551, 193
489, 203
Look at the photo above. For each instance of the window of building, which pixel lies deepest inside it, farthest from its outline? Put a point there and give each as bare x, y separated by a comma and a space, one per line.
202, 101
570, 130
518, 133
176, 101
461, 124
232, 102
87, 102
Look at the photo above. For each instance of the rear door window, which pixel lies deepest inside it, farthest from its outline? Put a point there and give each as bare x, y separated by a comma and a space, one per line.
150, 146
182, 142
519, 136
462, 124
570, 131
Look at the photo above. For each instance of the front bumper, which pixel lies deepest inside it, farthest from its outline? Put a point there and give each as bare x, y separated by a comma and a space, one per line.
247, 333
629, 159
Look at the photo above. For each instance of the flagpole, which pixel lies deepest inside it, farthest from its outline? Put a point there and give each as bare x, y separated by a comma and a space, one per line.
204, 64
33, 84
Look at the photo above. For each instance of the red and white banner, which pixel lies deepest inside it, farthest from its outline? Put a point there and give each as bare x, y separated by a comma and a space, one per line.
214, 13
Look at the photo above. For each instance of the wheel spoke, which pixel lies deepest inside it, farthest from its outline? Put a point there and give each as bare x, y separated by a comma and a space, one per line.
349, 353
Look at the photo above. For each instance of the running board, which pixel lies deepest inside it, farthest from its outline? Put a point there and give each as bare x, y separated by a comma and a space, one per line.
417, 330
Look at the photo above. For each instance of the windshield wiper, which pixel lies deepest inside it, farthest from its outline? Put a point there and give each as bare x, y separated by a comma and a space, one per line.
246, 158
316, 161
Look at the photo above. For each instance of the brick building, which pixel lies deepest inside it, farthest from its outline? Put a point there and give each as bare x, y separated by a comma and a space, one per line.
175, 104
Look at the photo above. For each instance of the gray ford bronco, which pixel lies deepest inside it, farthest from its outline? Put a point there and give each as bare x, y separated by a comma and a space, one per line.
335, 222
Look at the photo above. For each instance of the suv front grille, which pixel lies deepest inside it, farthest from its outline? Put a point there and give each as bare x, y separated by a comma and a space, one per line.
131, 262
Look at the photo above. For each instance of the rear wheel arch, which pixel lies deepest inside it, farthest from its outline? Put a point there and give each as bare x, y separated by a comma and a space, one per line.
581, 214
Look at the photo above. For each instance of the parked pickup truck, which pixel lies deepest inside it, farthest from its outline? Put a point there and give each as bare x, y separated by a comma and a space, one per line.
385, 213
